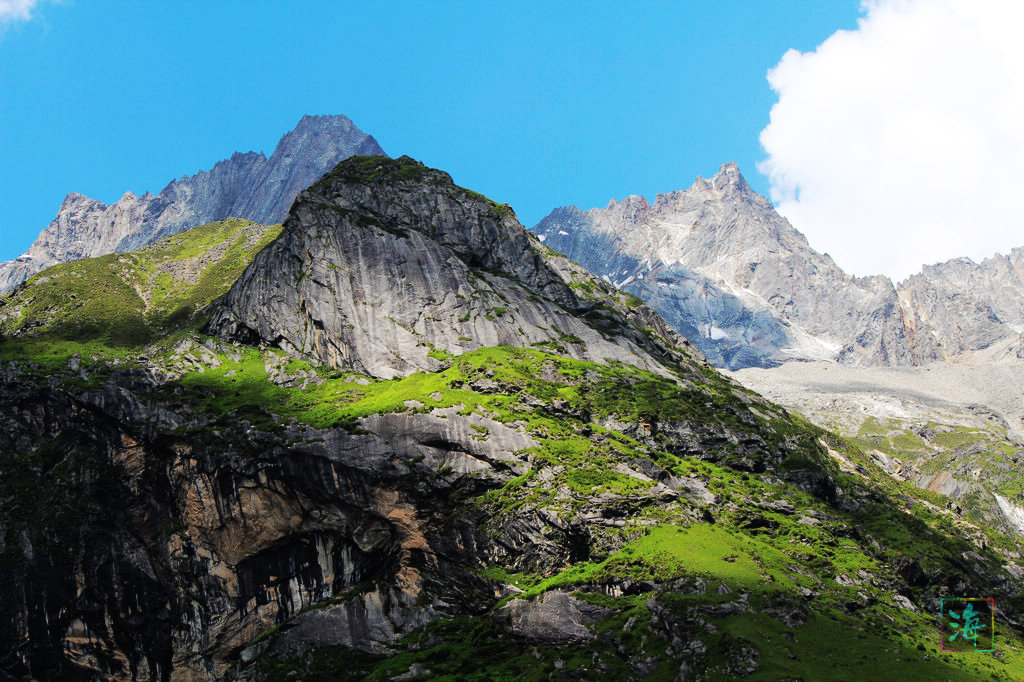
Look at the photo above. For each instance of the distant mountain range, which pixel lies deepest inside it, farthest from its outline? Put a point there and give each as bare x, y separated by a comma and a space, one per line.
716, 260
248, 185
734, 277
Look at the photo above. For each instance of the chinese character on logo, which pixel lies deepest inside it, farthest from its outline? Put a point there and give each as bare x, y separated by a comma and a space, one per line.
968, 625
969, 628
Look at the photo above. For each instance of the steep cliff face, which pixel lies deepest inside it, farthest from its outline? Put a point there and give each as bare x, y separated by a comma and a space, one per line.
383, 263
538, 479
733, 276
961, 305
215, 535
249, 186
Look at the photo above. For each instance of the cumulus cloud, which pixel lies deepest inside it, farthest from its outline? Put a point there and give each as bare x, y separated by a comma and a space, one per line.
16, 10
902, 142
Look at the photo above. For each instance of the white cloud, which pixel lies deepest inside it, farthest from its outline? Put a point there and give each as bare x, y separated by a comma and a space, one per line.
16, 10
902, 142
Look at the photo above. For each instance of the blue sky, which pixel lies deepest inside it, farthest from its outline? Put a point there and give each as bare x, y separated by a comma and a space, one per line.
535, 103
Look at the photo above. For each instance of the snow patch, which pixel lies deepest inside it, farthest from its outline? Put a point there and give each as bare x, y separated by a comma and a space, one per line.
1013, 513
806, 345
542, 237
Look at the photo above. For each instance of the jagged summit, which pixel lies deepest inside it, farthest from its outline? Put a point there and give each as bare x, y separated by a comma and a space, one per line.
736, 278
733, 276
728, 179
247, 185
727, 187
729, 174
384, 262
321, 122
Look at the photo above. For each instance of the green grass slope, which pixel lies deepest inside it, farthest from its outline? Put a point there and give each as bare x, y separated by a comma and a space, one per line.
784, 546
131, 299
811, 585
732, 573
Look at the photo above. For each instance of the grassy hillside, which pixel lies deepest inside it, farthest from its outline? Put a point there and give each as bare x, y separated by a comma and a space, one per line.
775, 543
810, 583
131, 299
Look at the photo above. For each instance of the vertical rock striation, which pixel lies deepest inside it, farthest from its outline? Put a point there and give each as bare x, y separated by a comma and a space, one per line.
384, 262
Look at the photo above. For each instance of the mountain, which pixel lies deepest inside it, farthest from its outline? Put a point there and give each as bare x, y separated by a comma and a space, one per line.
952, 429
923, 377
467, 276
407, 440
734, 277
130, 299
960, 306
248, 186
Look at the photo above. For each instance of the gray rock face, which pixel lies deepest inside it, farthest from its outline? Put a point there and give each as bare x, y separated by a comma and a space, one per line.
555, 617
961, 305
733, 276
408, 264
747, 289
247, 185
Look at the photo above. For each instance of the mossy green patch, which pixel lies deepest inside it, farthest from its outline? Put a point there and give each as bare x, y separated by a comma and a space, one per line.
373, 170
129, 300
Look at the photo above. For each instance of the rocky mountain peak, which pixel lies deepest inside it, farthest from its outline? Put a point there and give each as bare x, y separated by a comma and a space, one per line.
962, 306
730, 177
729, 185
726, 190
311, 123
385, 174
74, 198
732, 275
246, 185
959, 262
633, 207
403, 194
385, 265
632, 202
240, 156
325, 134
